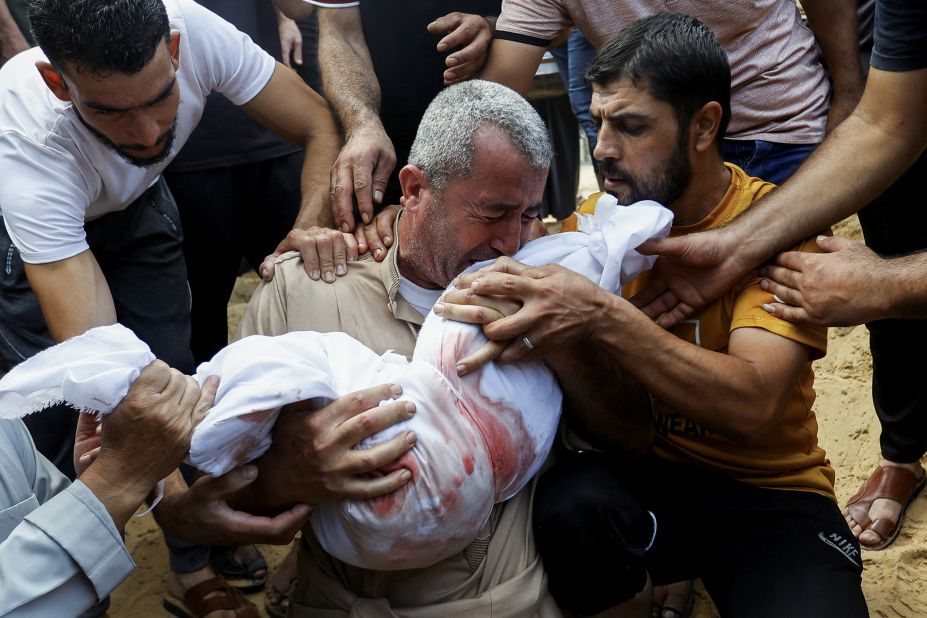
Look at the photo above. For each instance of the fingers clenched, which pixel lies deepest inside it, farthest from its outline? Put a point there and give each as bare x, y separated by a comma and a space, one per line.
358, 402
365, 461
373, 487
369, 422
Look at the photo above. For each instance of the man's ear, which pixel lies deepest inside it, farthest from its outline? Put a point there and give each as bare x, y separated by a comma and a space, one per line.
53, 79
705, 125
174, 47
413, 183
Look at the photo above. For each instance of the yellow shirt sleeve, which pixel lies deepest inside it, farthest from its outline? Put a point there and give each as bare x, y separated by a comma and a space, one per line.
748, 313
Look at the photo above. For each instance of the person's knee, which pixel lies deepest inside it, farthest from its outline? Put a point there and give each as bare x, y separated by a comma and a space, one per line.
592, 534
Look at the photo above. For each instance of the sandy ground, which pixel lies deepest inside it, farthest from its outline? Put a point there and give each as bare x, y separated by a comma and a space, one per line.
893, 579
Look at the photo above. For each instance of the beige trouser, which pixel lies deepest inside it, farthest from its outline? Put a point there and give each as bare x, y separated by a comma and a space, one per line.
508, 582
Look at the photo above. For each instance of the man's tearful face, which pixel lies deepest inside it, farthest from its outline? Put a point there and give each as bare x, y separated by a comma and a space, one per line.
489, 214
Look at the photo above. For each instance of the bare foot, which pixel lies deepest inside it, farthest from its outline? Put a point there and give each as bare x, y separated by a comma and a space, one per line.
672, 600
881, 508
280, 584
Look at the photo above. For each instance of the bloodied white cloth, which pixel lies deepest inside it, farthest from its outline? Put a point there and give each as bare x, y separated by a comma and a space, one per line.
481, 437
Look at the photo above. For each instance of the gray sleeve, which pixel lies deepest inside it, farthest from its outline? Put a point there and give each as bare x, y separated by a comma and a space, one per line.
900, 36
64, 556
48, 481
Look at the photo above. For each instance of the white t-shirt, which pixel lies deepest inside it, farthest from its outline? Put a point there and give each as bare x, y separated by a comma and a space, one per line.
55, 174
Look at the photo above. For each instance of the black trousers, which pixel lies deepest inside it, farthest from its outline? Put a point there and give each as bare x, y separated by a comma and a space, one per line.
896, 224
139, 252
759, 552
230, 214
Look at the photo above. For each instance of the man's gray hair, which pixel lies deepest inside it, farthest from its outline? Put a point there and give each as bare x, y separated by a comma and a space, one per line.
443, 147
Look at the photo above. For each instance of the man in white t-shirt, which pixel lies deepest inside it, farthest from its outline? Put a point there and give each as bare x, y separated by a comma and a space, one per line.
88, 121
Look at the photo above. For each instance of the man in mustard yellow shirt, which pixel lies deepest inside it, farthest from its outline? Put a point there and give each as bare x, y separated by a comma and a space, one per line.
741, 494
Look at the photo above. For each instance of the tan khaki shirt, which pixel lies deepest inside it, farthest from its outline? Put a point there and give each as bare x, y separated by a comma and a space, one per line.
499, 574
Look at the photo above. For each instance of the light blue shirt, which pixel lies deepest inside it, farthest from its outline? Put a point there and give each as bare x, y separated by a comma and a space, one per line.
60, 551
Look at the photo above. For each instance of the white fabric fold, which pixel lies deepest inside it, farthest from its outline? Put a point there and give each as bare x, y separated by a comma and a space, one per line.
481, 437
92, 372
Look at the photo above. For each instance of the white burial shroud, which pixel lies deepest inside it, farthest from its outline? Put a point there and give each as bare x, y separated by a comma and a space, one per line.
481, 437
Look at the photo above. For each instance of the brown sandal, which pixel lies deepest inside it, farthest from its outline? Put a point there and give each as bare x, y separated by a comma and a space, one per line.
892, 483
225, 597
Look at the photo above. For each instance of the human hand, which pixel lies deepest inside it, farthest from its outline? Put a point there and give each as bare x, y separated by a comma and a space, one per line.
313, 456
291, 41
471, 308
691, 272
148, 434
558, 309
325, 252
834, 288
362, 170
472, 34
144, 438
87, 441
376, 236
201, 514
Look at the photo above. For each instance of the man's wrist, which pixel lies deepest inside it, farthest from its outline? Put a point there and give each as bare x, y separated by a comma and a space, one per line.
904, 291
364, 122
120, 496
609, 318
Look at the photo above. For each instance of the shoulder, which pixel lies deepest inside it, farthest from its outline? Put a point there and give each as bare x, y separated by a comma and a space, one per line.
294, 301
745, 190
362, 274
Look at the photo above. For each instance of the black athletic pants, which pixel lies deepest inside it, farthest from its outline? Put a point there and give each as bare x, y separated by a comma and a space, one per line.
759, 552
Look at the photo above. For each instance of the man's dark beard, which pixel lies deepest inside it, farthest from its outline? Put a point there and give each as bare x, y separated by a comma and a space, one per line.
167, 139
664, 189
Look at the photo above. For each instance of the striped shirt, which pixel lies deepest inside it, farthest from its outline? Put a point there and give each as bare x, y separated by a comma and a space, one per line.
779, 91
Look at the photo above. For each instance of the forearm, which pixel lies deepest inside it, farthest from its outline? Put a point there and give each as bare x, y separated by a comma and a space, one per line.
12, 40
512, 64
321, 151
742, 402
904, 283
836, 29
859, 159
73, 295
348, 78
119, 494
292, 110
604, 405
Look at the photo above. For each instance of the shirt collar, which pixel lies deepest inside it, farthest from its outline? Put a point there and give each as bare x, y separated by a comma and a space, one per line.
389, 274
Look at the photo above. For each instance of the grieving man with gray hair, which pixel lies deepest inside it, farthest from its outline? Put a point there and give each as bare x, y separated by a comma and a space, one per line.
471, 192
